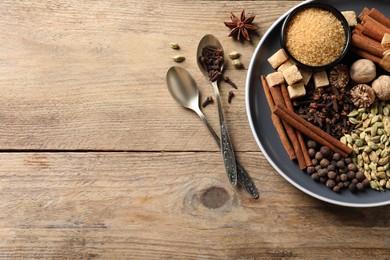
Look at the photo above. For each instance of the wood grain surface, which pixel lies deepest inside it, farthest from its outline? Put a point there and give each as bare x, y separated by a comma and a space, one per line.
99, 162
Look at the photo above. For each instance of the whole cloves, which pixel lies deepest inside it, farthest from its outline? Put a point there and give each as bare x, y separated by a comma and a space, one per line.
208, 100
230, 97
230, 82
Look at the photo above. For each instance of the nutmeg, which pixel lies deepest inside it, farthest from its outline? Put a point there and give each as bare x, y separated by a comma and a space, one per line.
362, 95
381, 86
363, 71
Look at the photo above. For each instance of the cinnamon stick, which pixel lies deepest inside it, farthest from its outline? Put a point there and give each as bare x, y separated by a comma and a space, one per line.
373, 29
312, 131
278, 99
367, 44
364, 12
366, 55
290, 107
277, 122
380, 17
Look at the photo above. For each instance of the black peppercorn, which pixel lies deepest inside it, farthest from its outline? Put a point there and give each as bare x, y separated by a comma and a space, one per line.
314, 162
366, 183
352, 187
343, 177
324, 163
311, 144
326, 152
340, 164
331, 167
311, 152
332, 175
360, 186
348, 160
323, 180
336, 188
351, 175
336, 156
315, 177
319, 156
330, 184
355, 181
360, 176
310, 169
351, 167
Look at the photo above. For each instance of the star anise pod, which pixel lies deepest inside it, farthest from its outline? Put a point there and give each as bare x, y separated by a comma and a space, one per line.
241, 26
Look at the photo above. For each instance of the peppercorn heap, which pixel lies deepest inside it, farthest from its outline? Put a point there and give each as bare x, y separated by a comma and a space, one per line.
335, 172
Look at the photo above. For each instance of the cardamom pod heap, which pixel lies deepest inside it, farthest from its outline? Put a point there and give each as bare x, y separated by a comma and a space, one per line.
370, 141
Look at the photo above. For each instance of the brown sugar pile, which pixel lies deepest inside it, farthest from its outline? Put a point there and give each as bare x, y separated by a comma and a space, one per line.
315, 37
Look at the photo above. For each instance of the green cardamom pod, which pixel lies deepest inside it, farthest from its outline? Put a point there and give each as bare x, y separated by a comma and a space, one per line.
237, 64
353, 113
178, 58
174, 45
234, 55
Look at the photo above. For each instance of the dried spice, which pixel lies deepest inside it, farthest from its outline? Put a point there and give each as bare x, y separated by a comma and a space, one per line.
230, 82
174, 45
362, 95
178, 58
339, 76
336, 172
241, 26
231, 95
326, 108
212, 59
208, 100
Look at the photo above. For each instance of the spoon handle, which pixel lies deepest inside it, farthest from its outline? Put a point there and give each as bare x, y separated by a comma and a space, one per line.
229, 159
243, 177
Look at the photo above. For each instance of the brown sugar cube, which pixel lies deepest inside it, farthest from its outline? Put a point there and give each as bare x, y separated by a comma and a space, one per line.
386, 41
292, 75
287, 64
278, 58
320, 79
306, 74
274, 79
296, 90
350, 16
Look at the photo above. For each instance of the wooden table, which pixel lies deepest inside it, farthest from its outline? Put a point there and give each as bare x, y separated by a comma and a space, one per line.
98, 161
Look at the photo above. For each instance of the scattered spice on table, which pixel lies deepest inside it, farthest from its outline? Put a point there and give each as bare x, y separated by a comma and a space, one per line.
231, 96
207, 101
240, 27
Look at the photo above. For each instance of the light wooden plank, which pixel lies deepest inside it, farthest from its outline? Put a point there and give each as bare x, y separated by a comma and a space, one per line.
82, 75
152, 206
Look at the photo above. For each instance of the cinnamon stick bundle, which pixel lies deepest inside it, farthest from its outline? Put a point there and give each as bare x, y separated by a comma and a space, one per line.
277, 122
380, 17
290, 107
372, 28
278, 100
367, 37
312, 131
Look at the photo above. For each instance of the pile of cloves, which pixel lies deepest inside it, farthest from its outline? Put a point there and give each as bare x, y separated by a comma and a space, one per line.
327, 108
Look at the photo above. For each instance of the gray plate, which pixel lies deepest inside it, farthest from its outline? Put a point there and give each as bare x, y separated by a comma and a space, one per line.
259, 116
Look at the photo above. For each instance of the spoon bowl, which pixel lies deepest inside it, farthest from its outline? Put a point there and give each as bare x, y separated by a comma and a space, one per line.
183, 88
208, 40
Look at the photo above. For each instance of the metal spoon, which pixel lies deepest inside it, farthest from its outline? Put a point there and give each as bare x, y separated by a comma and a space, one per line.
184, 90
226, 144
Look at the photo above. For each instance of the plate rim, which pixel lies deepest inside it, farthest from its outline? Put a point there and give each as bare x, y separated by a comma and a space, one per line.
263, 150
